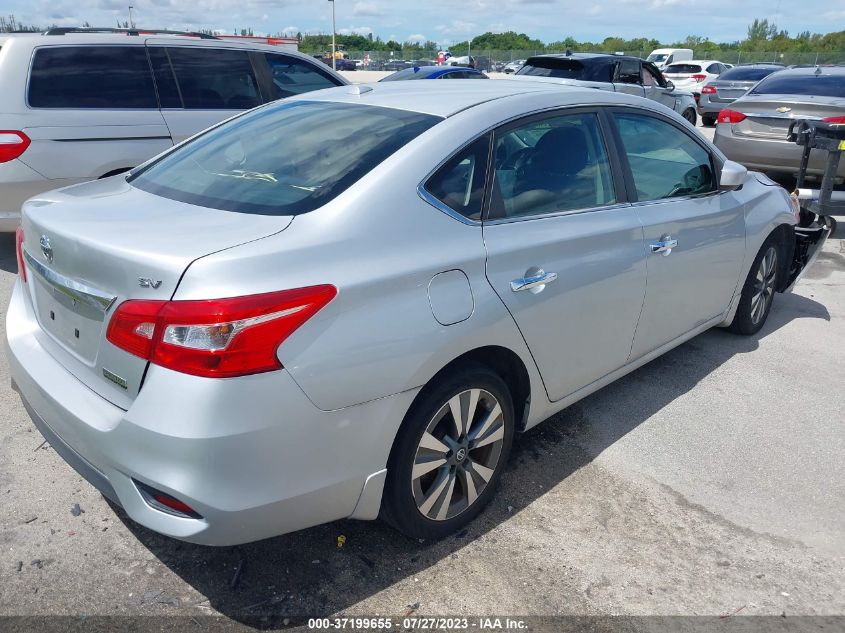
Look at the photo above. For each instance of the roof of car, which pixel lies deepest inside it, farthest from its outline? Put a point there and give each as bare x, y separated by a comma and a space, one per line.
445, 98
700, 62
813, 70
585, 56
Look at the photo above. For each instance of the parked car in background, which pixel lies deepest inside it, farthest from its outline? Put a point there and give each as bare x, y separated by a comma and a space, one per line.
692, 75
467, 61
661, 57
394, 64
753, 129
435, 72
243, 337
729, 86
79, 105
620, 73
513, 66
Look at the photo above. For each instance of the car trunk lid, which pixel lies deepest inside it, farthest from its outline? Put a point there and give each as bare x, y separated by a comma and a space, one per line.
728, 91
769, 116
90, 247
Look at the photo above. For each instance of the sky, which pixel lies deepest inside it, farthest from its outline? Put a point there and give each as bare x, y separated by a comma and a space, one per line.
449, 21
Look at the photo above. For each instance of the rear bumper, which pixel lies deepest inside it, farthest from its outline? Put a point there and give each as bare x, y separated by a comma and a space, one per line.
706, 106
769, 155
253, 456
18, 183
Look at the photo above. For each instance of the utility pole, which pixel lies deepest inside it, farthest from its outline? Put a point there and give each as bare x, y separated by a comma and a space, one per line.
131, 23
334, 46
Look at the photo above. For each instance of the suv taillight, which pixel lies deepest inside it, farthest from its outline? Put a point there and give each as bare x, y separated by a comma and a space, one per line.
730, 116
708, 90
12, 145
215, 338
19, 250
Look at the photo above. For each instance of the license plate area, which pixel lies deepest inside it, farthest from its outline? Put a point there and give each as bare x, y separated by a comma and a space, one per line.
75, 325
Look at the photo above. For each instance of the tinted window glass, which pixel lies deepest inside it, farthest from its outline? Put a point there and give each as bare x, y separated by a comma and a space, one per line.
747, 74
214, 79
567, 68
292, 76
629, 71
91, 77
819, 85
288, 158
168, 94
683, 68
408, 73
551, 165
459, 184
665, 162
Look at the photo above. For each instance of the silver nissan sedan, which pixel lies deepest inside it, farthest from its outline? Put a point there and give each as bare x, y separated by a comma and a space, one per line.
346, 304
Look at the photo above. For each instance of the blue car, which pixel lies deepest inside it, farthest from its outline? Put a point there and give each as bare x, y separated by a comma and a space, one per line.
436, 72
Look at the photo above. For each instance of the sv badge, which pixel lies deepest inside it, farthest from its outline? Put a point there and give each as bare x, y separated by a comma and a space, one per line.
146, 282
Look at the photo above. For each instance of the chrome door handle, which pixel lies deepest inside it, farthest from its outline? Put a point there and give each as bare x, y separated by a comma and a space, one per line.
665, 245
527, 283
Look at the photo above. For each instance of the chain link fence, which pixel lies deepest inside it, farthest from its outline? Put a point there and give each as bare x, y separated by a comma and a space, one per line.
495, 60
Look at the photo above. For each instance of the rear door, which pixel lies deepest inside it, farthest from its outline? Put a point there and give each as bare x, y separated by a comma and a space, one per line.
694, 233
92, 111
564, 251
202, 85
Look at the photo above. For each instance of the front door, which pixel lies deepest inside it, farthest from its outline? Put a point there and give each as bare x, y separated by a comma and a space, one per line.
694, 233
655, 87
564, 253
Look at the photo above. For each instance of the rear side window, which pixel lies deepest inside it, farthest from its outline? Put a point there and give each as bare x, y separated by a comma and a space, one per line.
292, 76
214, 79
91, 77
459, 184
284, 159
567, 68
789, 84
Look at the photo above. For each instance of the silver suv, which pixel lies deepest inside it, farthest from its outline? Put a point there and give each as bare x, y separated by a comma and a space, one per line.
79, 106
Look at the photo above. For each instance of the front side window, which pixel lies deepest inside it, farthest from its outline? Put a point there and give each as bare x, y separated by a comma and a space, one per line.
665, 162
292, 76
214, 78
283, 159
551, 165
91, 77
652, 76
459, 184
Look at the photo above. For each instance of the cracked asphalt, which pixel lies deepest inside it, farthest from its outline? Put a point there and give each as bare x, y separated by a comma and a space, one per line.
709, 481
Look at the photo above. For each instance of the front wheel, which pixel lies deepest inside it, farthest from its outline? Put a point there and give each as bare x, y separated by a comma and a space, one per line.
449, 454
758, 293
689, 115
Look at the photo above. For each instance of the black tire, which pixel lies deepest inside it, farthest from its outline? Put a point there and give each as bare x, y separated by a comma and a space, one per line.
401, 505
689, 115
708, 120
762, 282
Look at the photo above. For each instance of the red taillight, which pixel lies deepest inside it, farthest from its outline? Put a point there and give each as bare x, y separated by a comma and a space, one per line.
708, 90
216, 338
12, 145
835, 119
19, 249
730, 116
699, 78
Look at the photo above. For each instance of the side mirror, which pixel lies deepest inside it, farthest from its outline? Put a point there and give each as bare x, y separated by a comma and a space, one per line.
669, 86
732, 176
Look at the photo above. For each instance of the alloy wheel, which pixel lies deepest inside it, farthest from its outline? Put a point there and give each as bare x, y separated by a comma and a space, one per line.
457, 454
764, 285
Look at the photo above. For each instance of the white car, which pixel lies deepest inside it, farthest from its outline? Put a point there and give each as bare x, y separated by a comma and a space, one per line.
513, 66
691, 75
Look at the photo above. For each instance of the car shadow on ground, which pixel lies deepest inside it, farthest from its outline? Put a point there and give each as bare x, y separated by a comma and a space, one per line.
8, 259
306, 574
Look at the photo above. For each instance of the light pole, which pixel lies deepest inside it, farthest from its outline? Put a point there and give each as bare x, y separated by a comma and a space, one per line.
131, 23
333, 38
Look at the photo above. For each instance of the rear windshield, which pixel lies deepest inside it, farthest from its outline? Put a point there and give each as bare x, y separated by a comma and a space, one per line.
818, 85
682, 68
286, 159
747, 74
565, 68
408, 73
656, 58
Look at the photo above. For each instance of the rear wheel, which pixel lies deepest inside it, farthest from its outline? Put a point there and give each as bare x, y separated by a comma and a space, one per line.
759, 290
449, 454
709, 120
689, 115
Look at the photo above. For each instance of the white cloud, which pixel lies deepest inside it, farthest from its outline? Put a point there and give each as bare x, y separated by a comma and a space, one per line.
355, 30
366, 9
416, 38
